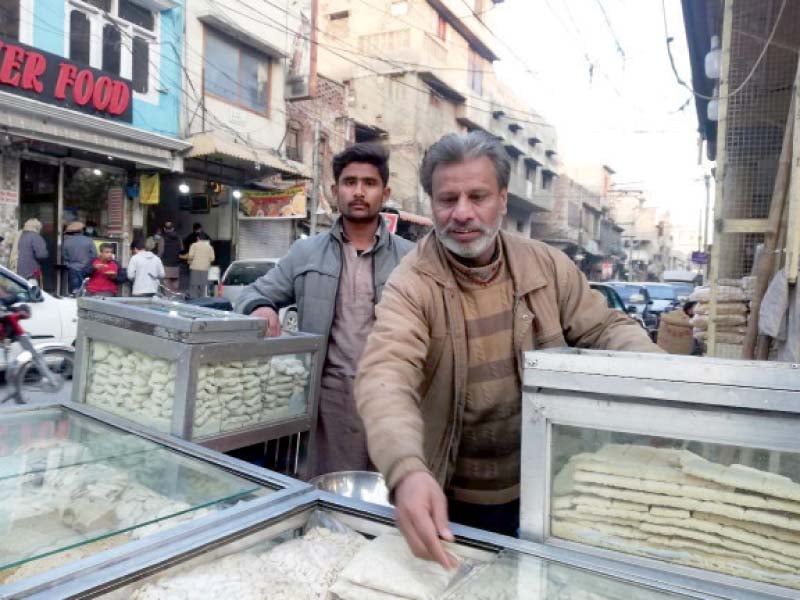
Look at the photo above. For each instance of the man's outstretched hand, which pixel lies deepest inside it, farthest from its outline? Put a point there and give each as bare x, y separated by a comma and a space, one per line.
422, 517
273, 328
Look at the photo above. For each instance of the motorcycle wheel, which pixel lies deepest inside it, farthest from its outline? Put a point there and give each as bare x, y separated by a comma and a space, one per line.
61, 362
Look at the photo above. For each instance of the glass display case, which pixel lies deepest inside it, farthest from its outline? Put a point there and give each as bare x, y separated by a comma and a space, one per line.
314, 546
691, 462
200, 374
72, 486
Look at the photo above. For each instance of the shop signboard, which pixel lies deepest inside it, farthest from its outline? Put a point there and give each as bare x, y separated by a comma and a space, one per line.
289, 203
391, 221
700, 258
30, 72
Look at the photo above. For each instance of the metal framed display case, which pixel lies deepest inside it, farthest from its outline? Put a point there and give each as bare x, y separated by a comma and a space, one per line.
74, 484
687, 464
316, 542
203, 375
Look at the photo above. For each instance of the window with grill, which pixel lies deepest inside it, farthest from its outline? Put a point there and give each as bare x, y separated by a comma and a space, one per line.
293, 144
475, 73
9, 19
112, 48
235, 73
126, 30
79, 37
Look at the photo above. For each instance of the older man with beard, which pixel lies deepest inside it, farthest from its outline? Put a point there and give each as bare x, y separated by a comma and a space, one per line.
439, 382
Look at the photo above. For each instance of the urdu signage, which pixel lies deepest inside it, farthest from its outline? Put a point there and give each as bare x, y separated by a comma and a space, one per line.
50, 78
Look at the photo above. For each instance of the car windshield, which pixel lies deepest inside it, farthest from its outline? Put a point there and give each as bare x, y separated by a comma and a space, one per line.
626, 291
9, 288
661, 292
682, 289
246, 273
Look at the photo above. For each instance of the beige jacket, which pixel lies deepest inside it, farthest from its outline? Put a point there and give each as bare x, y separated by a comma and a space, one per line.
201, 256
413, 373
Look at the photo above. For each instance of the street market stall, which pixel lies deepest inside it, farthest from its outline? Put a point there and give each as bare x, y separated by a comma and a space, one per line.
688, 465
318, 546
73, 485
200, 374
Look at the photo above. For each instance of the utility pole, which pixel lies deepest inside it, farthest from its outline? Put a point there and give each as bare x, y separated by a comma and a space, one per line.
315, 164
708, 205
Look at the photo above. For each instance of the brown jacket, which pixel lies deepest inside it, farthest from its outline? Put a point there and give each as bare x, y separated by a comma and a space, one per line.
412, 376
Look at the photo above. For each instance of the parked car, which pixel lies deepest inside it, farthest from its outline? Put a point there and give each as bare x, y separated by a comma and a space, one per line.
242, 273
634, 294
53, 320
614, 301
682, 290
663, 295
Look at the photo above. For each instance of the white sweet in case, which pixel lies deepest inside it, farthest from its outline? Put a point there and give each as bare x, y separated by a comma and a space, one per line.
230, 396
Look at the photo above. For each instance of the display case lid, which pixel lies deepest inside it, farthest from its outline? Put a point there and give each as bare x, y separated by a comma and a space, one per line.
499, 567
167, 318
759, 385
71, 485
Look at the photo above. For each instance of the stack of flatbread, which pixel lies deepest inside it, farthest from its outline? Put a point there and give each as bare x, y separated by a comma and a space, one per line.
676, 506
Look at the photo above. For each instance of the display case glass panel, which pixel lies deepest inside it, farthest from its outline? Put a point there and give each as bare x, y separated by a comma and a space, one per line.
312, 555
730, 509
131, 384
241, 394
71, 486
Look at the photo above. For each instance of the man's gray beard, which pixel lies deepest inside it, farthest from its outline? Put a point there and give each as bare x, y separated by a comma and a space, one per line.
474, 248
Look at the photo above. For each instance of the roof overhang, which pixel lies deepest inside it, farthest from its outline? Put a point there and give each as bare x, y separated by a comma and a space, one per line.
474, 41
214, 146
513, 150
222, 25
32, 119
440, 87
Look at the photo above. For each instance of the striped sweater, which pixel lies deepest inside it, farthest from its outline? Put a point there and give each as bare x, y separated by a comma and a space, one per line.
487, 468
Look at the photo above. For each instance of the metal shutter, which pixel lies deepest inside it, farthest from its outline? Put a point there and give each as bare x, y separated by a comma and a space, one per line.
261, 238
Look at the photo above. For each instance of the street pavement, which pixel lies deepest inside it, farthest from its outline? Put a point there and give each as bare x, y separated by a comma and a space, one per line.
38, 397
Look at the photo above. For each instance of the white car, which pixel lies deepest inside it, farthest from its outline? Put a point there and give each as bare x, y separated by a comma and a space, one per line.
242, 273
53, 320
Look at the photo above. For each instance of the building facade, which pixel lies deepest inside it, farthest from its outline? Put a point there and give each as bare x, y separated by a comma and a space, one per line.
416, 70
581, 225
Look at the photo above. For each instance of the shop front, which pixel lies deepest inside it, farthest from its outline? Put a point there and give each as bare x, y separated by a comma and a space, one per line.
69, 152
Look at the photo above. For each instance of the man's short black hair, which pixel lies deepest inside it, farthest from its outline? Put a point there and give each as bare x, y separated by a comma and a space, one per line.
197, 226
137, 244
106, 246
366, 152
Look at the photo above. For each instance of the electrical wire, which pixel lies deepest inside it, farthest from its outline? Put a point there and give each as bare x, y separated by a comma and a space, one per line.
749, 76
611, 29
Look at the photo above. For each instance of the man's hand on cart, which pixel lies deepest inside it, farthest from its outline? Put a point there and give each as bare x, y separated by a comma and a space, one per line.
422, 517
273, 328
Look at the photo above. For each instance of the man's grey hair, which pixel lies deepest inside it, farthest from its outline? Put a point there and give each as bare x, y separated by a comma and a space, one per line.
457, 148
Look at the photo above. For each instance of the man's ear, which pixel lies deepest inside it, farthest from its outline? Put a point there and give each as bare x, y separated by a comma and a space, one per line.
335, 191
387, 193
503, 202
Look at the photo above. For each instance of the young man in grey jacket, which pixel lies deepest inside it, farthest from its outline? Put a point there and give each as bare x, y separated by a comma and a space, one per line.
336, 279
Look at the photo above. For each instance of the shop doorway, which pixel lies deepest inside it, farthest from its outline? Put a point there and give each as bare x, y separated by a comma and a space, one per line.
38, 199
59, 193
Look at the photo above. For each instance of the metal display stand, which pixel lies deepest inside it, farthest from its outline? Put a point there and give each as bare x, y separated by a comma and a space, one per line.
730, 409
190, 337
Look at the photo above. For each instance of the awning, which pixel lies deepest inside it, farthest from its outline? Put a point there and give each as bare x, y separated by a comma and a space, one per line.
441, 87
416, 219
28, 118
211, 145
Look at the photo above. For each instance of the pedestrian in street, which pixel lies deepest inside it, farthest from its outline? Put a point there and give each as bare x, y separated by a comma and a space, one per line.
336, 278
103, 281
155, 243
439, 384
27, 249
78, 251
171, 250
91, 229
145, 270
200, 258
197, 233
